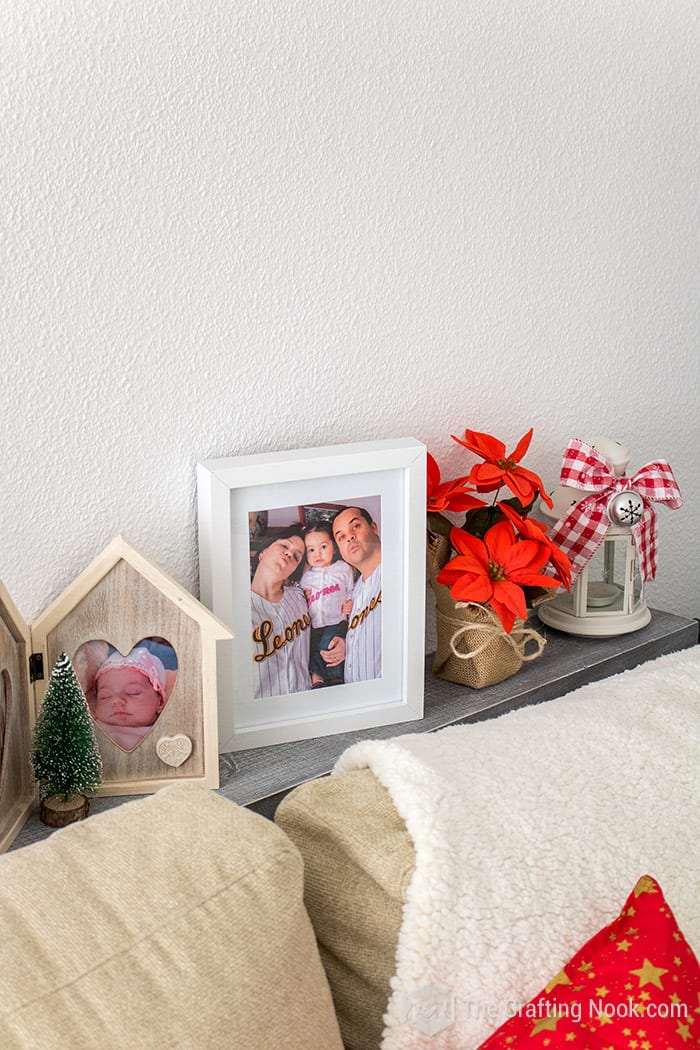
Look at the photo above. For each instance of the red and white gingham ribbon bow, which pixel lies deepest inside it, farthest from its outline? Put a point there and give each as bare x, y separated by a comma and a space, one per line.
581, 530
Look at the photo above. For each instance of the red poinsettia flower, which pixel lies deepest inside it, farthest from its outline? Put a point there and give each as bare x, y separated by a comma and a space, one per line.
493, 571
448, 495
500, 468
532, 529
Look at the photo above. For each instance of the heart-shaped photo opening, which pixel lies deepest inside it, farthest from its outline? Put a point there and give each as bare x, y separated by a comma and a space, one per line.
126, 695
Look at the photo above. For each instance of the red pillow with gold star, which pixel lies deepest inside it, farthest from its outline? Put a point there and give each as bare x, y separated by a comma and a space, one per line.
635, 984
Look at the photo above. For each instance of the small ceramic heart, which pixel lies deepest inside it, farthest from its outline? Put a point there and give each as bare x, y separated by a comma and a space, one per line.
174, 750
126, 694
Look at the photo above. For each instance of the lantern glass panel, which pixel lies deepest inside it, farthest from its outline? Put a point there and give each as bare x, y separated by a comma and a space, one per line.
614, 582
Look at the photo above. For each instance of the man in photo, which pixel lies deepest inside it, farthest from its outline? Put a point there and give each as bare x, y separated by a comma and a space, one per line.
358, 541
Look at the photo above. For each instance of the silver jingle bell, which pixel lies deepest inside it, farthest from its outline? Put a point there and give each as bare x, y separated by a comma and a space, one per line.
625, 508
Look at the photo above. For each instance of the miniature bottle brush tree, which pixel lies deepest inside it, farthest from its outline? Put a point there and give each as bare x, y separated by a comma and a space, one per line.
65, 754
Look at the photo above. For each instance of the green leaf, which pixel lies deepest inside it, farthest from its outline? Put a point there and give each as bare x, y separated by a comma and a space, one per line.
438, 524
479, 520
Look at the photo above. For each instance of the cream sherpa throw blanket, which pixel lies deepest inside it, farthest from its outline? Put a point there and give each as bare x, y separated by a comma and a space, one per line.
530, 831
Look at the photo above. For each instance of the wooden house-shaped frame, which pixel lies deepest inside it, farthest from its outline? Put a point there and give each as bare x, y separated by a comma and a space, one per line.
118, 602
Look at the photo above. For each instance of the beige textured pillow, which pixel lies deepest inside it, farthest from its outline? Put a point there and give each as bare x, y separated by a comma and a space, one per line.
171, 921
358, 861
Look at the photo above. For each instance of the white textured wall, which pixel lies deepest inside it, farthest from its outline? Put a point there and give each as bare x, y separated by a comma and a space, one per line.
242, 226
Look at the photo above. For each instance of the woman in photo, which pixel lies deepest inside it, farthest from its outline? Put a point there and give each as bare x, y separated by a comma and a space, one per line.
280, 618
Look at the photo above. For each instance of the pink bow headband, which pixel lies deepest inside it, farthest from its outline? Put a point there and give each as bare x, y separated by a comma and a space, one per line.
582, 529
140, 660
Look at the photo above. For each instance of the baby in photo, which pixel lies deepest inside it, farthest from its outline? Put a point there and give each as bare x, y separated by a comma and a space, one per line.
130, 695
327, 584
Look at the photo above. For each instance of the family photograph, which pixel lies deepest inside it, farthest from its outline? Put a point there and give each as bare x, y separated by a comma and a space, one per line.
316, 593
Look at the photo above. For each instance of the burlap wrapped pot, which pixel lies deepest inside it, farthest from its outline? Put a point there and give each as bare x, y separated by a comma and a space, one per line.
472, 647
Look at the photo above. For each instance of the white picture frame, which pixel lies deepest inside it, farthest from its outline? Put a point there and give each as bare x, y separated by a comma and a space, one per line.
388, 478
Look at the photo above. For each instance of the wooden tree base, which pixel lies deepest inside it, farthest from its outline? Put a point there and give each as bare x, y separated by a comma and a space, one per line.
57, 813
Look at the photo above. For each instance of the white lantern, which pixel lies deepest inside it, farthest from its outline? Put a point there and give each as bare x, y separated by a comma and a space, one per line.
607, 597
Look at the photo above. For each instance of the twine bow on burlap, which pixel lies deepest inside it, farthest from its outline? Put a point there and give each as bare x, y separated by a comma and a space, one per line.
490, 629
580, 531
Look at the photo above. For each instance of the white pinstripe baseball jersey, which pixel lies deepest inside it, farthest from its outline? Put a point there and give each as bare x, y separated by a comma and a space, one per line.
280, 635
363, 653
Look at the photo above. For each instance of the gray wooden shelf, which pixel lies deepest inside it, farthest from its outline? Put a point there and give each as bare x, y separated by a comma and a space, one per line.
568, 662
260, 777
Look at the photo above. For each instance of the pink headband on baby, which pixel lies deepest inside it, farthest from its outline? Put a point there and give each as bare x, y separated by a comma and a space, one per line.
140, 660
